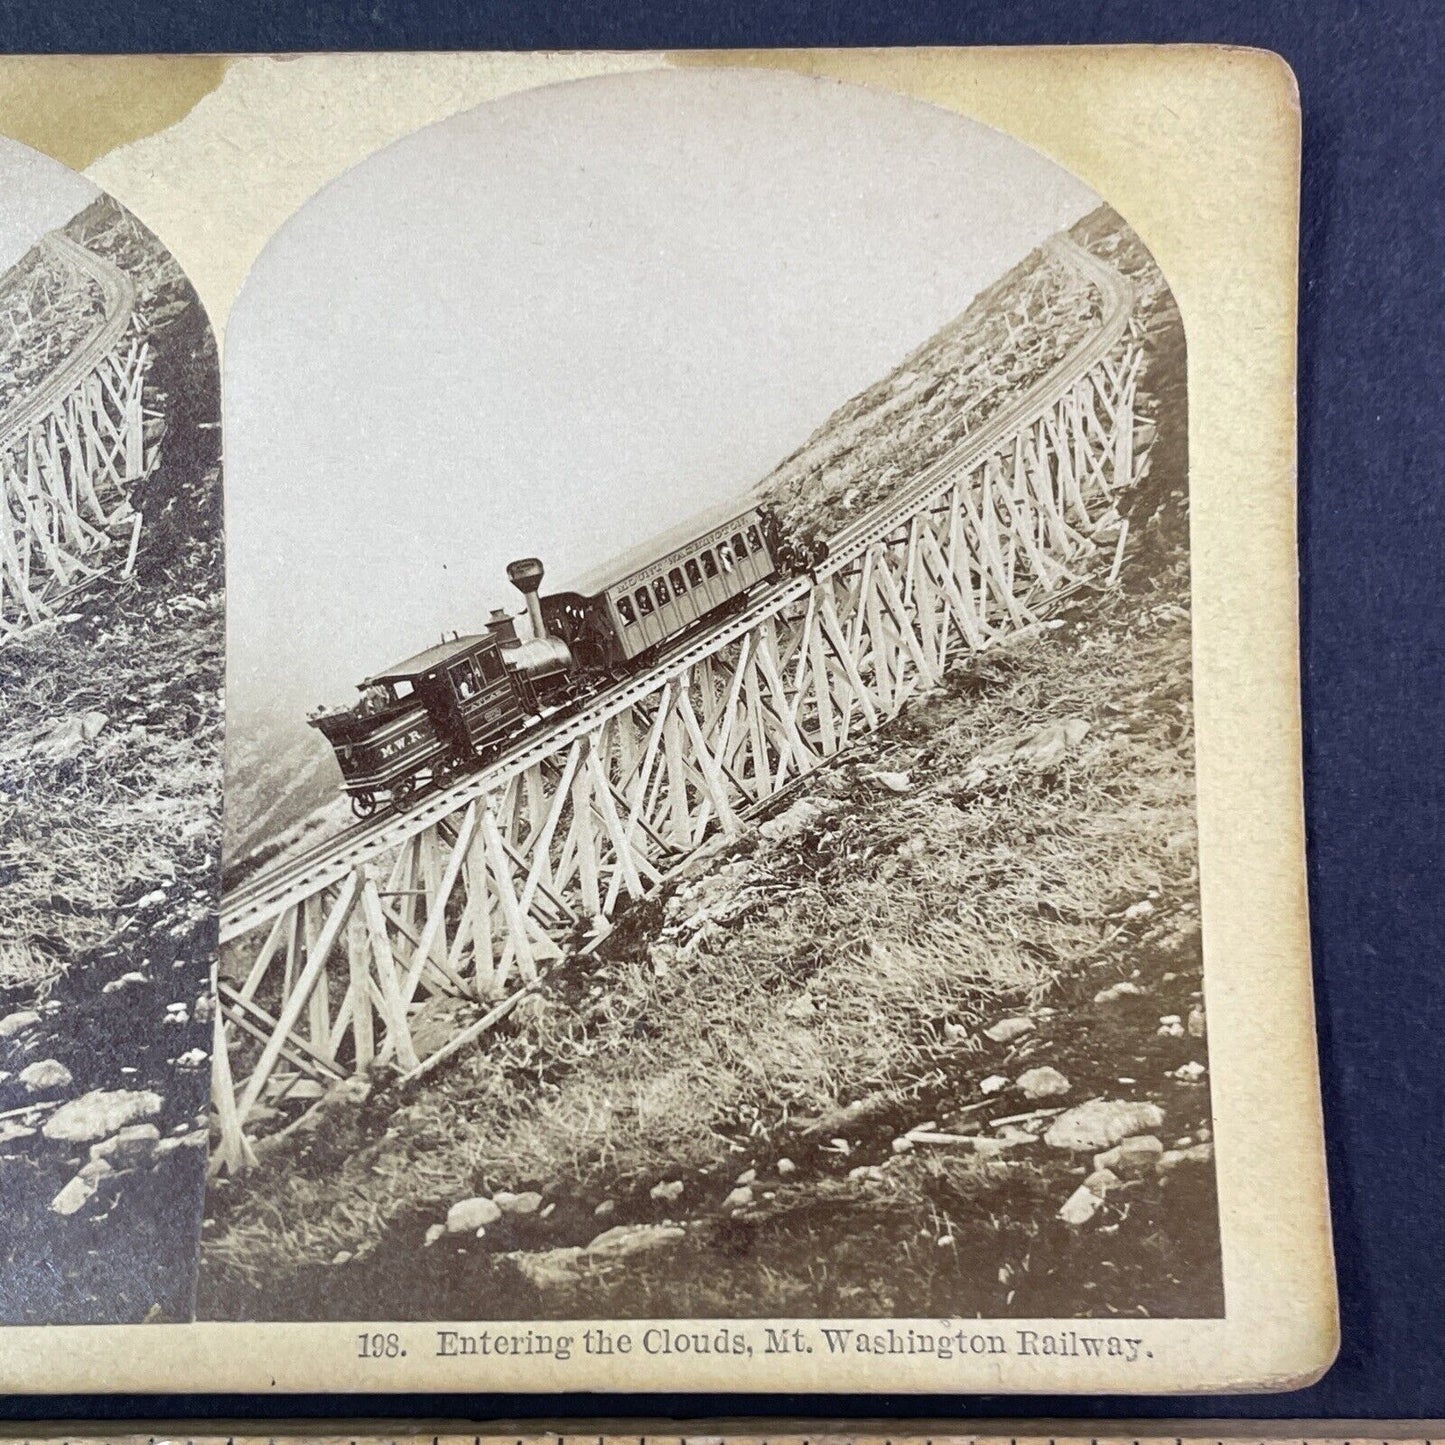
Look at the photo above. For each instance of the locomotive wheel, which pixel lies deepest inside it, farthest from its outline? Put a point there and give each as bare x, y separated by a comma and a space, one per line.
363, 804
401, 794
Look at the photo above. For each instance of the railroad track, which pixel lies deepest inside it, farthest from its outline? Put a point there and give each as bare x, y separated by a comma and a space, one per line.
280, 886
118, 296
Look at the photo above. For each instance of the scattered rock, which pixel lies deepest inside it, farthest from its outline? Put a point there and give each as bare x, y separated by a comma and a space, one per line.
528, 1202
10, 1131
102, 1111
802, 1008
1123, 989
738, 1198
44, 1076
1101, 1123
18, 1022
1046, 748
627, 1239
75, 1196
1142, 909
902, 1144
126, 980
1006, 1030
1189, 1073
153, 899
894, 782
434, 1232
1101, 1181
666, 1192
1132, 1156
1171, 1159
1196, 1022
1080, 1207
134, 1145
549, 1268
604, 1210
804, 814
786, 1167
1042, 1083
746, 1177
467, 1216
993, 1084
342, 1256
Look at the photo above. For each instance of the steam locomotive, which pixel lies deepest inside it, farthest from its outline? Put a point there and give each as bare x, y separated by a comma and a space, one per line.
465, 700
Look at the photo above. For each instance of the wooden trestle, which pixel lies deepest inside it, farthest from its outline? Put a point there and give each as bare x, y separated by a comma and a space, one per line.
70, 453
479, 888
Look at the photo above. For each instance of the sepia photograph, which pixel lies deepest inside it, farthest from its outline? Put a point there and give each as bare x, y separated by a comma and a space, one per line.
710, 804
111, 669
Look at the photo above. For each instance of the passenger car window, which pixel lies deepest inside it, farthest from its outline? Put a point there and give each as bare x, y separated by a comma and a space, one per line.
709, 564
725, 556
659, 590
625, 611
755, 541
694, 573
678, 585
740, 548
644, 601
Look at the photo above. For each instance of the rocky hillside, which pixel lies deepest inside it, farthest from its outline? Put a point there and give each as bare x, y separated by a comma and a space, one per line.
1009, 336
110, 735
929, 1039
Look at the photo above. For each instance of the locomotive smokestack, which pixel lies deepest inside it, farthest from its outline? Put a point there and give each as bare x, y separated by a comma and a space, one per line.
526, 575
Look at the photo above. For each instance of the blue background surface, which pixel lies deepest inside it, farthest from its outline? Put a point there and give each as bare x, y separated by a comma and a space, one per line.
1372, 415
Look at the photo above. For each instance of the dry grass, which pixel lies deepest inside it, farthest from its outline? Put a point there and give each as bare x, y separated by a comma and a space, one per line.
856, 959
901, 919
83, 836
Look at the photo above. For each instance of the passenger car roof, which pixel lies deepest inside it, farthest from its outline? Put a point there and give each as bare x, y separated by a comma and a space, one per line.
423, 662
600, 578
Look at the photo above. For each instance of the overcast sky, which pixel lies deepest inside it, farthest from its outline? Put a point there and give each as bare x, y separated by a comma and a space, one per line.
37, 195
559, 322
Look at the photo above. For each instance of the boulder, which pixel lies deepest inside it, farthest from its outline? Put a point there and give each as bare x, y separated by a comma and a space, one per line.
18, 1022
101, 1112
605, 1210
44, 1076
626, 1239
549, 1268
1101, 1181
993, 1084
526, 1203
467, 1216
1006, 1030
893, 782
786, 1167
1196, 1023
1172, 1159
738, 1198
127, 980
434, 1232
1132, 1156
1042, 1083
133, 1146
74, 1197
666, 1193
803, 815
1101, 1123
1080, 1207
1189, 1073
11, 1131
1124, 989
